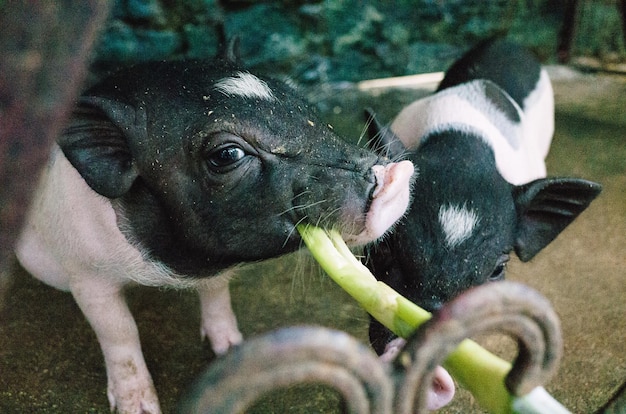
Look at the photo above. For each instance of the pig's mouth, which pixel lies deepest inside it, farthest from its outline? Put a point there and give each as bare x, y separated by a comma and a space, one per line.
389, 200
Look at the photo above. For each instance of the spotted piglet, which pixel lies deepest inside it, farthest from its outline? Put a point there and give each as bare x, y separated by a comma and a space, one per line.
171, 173
478, 145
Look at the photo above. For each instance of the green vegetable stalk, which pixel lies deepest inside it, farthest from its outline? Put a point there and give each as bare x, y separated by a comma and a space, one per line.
475, 368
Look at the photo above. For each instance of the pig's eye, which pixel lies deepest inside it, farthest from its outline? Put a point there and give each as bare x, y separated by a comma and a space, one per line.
225, 156
500, 270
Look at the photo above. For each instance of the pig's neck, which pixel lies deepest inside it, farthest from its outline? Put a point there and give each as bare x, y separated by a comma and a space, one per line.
146, 225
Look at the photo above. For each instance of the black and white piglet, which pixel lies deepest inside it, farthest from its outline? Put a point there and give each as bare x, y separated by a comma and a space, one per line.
478, 145
170, 173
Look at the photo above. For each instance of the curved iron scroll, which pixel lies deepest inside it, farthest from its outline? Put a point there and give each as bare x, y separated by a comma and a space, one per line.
297, 355
506, 307
292, 356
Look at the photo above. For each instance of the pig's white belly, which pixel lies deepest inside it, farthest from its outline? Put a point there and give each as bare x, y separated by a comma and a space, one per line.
67, 227
72, 232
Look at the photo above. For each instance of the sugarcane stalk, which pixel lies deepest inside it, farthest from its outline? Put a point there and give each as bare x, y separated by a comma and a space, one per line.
472, 366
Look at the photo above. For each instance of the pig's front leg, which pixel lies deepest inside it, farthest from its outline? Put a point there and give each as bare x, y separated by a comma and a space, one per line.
130, 388
219, 323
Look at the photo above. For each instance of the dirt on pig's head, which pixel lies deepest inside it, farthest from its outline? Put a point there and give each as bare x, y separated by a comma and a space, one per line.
208, 165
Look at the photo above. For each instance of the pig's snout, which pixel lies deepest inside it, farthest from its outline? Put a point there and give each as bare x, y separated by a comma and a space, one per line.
389, 200
391, 179
441, 390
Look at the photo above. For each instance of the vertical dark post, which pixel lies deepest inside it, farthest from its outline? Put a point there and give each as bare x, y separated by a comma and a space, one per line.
568, 31
622, 10
44, 49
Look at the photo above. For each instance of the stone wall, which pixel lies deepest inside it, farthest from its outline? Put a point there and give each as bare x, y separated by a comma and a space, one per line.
339, 40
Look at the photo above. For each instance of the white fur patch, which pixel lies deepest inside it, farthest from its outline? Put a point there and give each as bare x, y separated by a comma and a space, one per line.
539, 112
245, 85
467, 108
457, 222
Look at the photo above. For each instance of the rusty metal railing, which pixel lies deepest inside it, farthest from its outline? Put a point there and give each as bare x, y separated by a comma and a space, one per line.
298, 355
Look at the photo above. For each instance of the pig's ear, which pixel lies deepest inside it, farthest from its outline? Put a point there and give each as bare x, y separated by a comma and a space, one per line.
97, 146
545, 207
382, 140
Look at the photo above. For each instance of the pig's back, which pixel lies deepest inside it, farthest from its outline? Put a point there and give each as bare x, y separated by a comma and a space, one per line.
518, 72
508, 65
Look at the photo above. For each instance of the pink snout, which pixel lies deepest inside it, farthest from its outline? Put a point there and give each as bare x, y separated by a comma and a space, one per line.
442, 389
389, 203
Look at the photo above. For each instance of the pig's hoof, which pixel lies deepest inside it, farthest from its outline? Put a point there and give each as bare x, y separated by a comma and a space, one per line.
134, 398
222, 336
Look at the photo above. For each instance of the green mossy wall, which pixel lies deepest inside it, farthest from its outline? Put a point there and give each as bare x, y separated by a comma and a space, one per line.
347, 40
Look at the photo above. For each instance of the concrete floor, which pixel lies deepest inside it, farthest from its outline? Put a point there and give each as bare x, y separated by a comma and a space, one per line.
50, 361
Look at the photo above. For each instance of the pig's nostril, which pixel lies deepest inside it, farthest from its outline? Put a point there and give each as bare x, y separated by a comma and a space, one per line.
378, 177
370, 177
